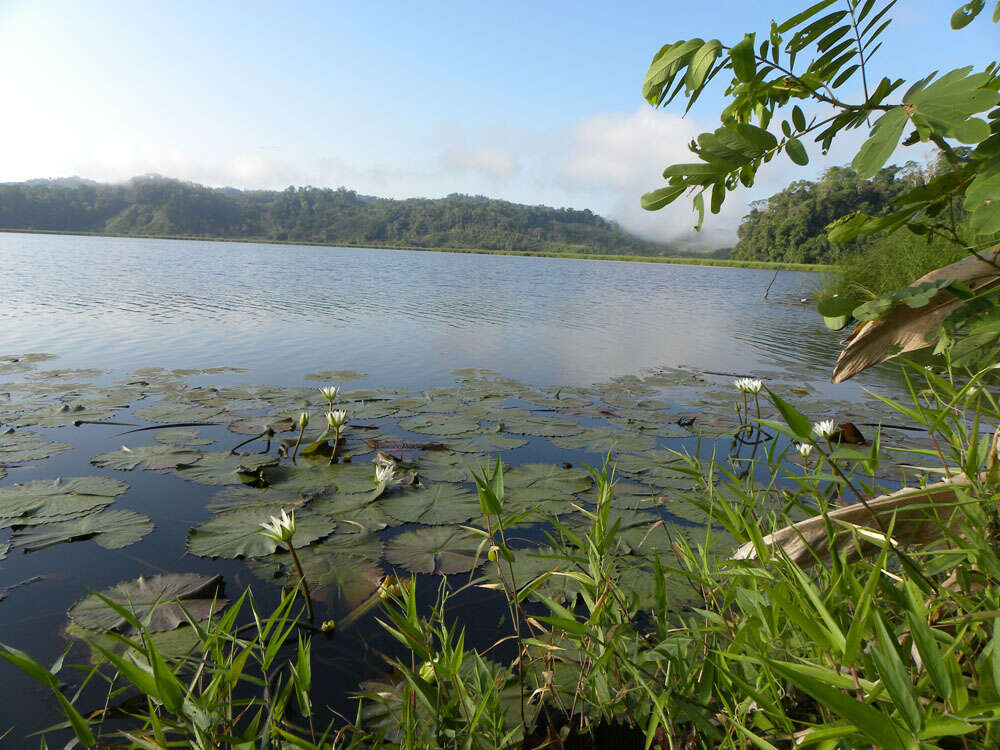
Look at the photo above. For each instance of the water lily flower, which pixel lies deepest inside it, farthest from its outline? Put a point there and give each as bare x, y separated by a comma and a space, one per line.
336, 419
804, 449
825, 428
330, 392
303, 420
281, 529
753, 385
384, 473
740, 384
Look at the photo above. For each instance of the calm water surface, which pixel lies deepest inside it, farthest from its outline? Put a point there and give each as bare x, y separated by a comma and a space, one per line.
406, 318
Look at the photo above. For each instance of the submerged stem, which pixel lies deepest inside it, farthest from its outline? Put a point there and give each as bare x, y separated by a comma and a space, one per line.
302, 578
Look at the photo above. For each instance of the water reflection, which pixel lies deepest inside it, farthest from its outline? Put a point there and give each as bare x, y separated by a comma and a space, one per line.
406, 317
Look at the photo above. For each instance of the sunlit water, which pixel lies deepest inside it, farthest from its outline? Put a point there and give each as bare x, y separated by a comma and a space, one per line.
406, 318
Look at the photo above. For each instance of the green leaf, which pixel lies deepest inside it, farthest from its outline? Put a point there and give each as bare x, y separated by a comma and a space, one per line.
966, 14
894, 676
873, 724
805, 15
657, 199
875, 152
796, 152
798, 118
742, 55
801, 426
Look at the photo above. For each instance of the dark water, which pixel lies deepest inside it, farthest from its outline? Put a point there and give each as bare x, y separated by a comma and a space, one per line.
405, 318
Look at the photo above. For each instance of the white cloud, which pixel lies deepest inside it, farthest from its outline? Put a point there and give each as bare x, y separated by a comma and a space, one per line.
496, 163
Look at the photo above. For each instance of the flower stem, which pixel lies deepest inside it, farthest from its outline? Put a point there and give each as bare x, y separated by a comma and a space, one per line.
298, 442
302, 578
336, 444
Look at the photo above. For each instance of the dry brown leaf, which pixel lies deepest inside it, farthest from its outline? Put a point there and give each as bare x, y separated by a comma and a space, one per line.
904, 329
921, 514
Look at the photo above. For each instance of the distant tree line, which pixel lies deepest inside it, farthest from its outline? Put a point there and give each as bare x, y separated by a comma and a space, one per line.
791, 225
159, 206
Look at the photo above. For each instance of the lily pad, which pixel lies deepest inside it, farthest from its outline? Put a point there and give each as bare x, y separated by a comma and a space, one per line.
445, 425
179, 412
553, 477
111, 529
237, 533
441, 550
154, 598
57, 499
320, 475
435, 505
225, 468
336, 376
330, 574
18, 446
178, 436
234, 496
161, 458
538, 425
258, 425
603, 441
486, 442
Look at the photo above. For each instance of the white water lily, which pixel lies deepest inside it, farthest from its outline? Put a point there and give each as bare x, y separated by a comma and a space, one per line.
303, 420
825, 428
753, 385
804, 449
280, 529
740, 384
336, 419
330, 392
384, 473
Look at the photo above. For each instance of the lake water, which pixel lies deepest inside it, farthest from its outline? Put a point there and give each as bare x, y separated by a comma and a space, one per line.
405, 318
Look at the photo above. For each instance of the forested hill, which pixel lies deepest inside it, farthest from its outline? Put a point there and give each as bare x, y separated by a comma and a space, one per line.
791, 225
164, 207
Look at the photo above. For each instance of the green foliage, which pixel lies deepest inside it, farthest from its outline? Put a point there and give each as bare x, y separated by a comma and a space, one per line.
839, 39
155, 206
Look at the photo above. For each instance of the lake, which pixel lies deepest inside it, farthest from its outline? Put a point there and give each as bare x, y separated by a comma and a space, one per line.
608, 333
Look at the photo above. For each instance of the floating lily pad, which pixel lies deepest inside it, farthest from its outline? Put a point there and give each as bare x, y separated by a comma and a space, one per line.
538, 425
336, 376
330, 574
19, 446
154, 598
486, 442
179, 412
549, 476
441, 550
238, 496
225, 468
258, 425
178, 436
435, 505
57, 499
451, 466
111, 529
160, 458
320, 475
603, 440
447, 425
532, 562
237, 533
4, 547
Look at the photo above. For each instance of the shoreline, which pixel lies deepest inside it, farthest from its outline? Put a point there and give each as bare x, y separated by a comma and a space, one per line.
671, 260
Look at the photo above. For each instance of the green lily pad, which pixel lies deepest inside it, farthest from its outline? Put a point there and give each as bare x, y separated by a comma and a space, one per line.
239, 496
225, 468
445, 425
486, 442
155, 598
161, 458
532, 562
332, 576
171, 412
554, 477
441, 550
19, 446
320, 475
435, 505
450, 466
604, 440
237, 533
336, 376
538, 425
181, 436
111, 529
57, 499
258, 425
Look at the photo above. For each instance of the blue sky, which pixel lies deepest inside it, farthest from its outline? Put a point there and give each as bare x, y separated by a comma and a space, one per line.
535, 102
